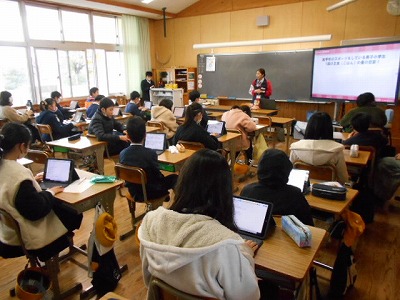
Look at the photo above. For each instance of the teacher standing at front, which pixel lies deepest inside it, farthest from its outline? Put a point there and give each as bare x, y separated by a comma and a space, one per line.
260, 88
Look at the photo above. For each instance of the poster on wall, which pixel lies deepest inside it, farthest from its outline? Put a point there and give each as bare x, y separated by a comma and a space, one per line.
210, 64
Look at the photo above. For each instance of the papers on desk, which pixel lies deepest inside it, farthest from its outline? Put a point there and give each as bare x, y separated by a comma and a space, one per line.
24, 161
299, 178
78, 186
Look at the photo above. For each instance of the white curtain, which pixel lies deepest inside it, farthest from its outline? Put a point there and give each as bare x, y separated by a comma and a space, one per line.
136, 49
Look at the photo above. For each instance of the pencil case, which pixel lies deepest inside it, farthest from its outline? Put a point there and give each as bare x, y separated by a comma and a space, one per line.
103, 179
329, 191
299, 232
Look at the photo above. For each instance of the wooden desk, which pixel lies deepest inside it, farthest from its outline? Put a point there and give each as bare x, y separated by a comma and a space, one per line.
112, 296
285, 123
360, 161
85, 145
102, 192
284, 260
229, 141
332, 206
176, 159
213, 115
123, 119
223, 108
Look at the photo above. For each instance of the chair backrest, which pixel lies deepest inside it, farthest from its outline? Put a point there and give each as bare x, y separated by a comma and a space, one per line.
159, 290
323, 172
133, 175
39, 157
191, 145
45, 129
3, 122
371, 160
158, 124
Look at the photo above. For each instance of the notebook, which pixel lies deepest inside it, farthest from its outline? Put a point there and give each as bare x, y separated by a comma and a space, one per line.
216, 128
148, 104
300, 179
252, 218
156, 142
72, 104
58, 172
116, 111
179, 112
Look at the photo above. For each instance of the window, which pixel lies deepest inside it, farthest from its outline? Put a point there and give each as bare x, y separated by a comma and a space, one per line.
14, 74
47, 64
76, 26
78, 71
43, 23
105, 30
115, 67
10, 22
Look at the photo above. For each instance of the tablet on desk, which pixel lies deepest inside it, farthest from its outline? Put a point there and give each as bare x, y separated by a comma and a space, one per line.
216, 128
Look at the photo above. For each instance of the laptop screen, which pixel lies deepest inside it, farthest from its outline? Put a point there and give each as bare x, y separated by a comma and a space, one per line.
155, 141
78, 116
148, 104
179, 112
72, 104
58, 170
252, 217
299, 178
116, 111
215, 127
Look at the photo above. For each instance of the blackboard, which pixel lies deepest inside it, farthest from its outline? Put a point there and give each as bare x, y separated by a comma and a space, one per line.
289, 72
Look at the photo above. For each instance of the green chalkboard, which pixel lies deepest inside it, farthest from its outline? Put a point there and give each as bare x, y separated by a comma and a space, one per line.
289, 72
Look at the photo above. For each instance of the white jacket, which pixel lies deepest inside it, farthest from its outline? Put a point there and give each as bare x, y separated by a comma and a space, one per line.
319, 152
164, 115
196, 254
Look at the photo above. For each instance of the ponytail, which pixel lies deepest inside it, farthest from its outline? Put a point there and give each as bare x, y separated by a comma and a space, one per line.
44, 104
191, 111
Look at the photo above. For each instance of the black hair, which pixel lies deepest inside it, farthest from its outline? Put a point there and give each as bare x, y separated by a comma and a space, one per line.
366, 99
191, 111
149, 73
136, 129
246, 109
55, 94
12, 134
93, 90
99, 97
262, 71
5, 98
167, 103
134, 95
44, 104
360, 122
106, 103
204, 187
319, 127
235, 106
193, 95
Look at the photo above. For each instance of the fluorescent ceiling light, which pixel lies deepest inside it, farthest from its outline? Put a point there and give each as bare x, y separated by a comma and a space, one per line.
147, 1
339, 4
300, 39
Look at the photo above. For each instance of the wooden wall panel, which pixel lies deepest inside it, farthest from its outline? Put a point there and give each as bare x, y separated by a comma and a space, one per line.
164, 55
188, 33
215, 28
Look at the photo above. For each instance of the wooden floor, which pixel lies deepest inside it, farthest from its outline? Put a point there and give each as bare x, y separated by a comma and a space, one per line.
377, 255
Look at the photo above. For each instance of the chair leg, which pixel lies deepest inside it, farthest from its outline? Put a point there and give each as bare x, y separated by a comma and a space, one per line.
132, 210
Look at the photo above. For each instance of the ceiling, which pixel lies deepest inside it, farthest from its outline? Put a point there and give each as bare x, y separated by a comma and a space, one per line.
152, 10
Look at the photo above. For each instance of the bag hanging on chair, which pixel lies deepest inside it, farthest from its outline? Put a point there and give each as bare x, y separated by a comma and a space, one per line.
260, 145
241, 166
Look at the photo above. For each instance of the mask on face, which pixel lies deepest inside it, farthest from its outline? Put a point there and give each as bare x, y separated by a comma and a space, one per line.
11, 100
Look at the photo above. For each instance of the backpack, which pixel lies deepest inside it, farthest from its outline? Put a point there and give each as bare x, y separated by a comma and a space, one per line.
344, 273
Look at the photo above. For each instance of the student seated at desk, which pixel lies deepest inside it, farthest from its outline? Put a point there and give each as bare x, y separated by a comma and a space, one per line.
134, 107
163, 113
105, 128
273, 175
192, 131
193, 246
93, 93
44, 221
94, 107
194, 97
364, 137
62, 112
318, 147
237, 118
48, 116
137, 155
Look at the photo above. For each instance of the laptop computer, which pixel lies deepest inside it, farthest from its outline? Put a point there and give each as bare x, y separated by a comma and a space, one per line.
148, 104
252, 218
179, 112
77, 117
267, 104
58, 172
156, 142
116, 111
300, 179
72, 104
216, 128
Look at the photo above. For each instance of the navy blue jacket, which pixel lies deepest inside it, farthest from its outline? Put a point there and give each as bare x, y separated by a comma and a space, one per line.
59, 129
193, 132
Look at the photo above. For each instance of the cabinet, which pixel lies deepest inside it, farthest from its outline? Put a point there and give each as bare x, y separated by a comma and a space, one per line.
176, 95
185, 78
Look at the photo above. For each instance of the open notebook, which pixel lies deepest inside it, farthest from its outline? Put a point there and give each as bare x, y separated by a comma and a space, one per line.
252, 218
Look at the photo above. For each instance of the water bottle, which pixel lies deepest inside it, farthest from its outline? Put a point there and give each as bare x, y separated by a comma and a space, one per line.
29, 105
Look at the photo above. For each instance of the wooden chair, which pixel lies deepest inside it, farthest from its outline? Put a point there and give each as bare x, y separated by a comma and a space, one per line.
158, 124
369, 170
325, 172
159, 290
191, 145
136, 175
3, 122
39, 157
45, 129
52, 264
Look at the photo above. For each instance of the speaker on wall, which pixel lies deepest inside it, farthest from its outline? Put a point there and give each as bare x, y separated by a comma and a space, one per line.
263, 21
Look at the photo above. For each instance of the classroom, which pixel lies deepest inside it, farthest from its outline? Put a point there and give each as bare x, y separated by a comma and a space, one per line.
161, 37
